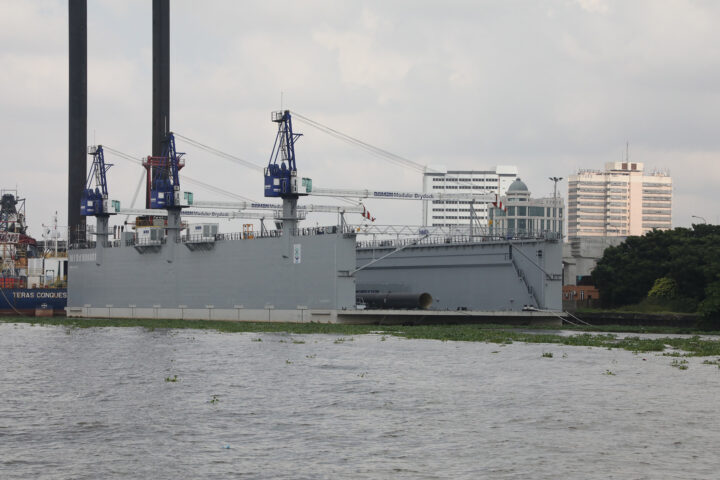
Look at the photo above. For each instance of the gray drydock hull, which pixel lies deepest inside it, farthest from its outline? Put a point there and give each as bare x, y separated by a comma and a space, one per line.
308, 278
272, 278
479, 276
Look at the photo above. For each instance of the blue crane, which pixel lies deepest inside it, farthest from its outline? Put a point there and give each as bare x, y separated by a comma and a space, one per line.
165, 179
94, 199
281, 179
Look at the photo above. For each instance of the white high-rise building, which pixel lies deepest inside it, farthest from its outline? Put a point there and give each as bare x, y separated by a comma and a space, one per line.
621, 200
438, 179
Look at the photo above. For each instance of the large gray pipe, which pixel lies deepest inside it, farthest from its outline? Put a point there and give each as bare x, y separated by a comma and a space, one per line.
412, 301
77, 118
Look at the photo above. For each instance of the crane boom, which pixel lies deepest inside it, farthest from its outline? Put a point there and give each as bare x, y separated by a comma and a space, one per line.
160, 212
391, 195
278, 207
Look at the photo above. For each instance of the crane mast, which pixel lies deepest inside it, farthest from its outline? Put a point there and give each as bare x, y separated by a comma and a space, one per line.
94, 198
281, 172
164, 175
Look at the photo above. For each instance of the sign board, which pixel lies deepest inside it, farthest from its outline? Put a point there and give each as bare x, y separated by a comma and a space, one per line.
297, 253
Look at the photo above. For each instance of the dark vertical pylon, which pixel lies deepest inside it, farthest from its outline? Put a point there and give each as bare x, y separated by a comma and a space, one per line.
77, 108
161, 77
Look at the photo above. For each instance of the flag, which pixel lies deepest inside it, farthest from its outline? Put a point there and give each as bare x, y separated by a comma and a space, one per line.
367, 215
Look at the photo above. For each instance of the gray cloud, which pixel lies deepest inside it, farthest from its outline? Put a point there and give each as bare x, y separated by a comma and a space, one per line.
548, 86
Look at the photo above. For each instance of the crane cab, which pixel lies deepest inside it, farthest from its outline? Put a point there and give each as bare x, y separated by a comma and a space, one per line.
91, 202
280, 181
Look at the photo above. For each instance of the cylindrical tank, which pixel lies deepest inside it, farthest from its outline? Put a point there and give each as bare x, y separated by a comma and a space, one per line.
422, 301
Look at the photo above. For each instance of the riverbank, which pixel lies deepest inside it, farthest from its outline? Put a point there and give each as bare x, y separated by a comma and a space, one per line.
499, 334
640, 319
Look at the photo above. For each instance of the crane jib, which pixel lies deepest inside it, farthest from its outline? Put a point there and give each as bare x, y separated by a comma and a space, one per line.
409, 195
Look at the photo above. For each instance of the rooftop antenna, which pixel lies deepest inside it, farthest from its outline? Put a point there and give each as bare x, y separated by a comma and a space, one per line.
627, 151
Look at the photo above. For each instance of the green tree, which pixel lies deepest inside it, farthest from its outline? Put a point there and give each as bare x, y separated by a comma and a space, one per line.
664, 287
710, 306
690, 258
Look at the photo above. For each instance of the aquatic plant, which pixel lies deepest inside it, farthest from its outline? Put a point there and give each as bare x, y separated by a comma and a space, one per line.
679, 364
674, 354
173, 379
214, 399
497, 334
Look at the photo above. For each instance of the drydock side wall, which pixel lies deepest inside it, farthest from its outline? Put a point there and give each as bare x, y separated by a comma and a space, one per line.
474, 276
261, 279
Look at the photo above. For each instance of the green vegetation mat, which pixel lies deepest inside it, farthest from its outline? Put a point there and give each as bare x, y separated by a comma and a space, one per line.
500, 334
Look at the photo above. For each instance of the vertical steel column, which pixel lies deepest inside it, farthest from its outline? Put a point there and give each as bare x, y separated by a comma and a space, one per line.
77, 120
161, 77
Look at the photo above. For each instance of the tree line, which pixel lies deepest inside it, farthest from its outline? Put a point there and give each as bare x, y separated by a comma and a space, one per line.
680, 267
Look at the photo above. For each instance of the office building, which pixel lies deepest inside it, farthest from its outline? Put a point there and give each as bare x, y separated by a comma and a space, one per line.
438, 179
621, 200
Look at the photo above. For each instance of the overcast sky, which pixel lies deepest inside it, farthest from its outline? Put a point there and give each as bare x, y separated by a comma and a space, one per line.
548, 86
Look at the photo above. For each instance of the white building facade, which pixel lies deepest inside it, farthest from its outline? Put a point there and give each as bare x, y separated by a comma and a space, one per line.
444, 213
621, 200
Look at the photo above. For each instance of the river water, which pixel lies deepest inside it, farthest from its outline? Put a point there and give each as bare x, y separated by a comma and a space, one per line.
97, 403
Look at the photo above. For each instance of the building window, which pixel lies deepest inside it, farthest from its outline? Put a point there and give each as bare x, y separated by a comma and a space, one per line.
536, 211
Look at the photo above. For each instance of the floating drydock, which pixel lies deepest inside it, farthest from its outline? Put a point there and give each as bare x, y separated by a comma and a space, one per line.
315, 275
